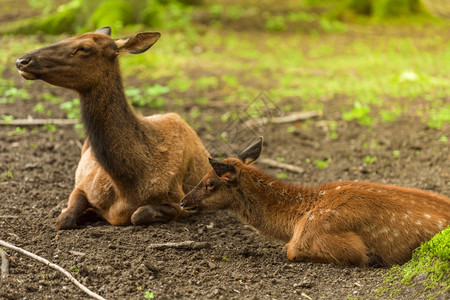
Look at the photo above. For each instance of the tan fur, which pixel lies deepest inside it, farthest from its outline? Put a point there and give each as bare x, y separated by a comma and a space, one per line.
347, 223
132, 169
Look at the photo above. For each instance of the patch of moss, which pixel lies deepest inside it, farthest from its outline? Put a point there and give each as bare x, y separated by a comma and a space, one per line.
429, 267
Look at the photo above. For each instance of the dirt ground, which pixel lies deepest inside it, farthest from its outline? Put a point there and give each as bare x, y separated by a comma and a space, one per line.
117, 263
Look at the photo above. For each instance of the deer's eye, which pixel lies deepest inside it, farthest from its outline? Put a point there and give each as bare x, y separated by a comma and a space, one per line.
209, 185
83, 50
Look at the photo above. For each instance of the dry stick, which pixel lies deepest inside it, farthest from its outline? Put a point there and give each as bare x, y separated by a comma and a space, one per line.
5, 263
276, 164
180, 245
52, 265
297, 116
37, 122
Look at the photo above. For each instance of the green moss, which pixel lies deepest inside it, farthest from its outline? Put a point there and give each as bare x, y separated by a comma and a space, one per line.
429, 267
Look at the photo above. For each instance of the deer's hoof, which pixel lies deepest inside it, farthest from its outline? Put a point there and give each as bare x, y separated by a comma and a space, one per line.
66, 221
143, 215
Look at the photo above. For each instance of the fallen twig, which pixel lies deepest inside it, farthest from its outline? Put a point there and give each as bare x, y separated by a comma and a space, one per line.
37, 122
52, 265
297, 116
5, 263
180, 245
276, 164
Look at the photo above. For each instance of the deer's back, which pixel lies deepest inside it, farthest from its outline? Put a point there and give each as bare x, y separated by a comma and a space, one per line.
392, 220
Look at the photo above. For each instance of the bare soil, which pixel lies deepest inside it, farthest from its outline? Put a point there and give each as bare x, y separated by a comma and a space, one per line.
117, 263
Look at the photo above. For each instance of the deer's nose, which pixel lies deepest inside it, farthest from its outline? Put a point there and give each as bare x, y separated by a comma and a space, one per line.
22, 62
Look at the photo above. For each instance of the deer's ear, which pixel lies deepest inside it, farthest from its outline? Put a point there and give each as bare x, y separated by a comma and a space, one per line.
138, 43
251, 152
104, 30
223, 170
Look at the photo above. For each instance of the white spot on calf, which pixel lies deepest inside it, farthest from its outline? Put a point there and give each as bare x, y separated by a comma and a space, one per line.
395, 233
321, 193
338, 187
405, 216
440, 224
418, 222
311, 217
427, 216
384, 230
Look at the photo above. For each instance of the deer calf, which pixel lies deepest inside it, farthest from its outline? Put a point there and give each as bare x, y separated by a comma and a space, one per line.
133, 169
346, 223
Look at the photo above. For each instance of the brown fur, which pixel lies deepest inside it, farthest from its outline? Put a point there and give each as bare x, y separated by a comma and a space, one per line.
132, 169
347, 223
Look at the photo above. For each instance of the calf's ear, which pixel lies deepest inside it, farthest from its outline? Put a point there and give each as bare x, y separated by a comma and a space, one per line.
223, 170
251, 152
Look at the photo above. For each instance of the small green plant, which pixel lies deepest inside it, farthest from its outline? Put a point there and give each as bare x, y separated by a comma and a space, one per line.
147, 95
438, 116
72, 109
369, 159
75, 269
360, 112
322, 164
226, 259
7, 118
39, 108
230, 80
51, 98
12, 94
17, 130
443, 139
292, 129
149, 295
50, 127
390, 115
282, 175
10, 173
396, 153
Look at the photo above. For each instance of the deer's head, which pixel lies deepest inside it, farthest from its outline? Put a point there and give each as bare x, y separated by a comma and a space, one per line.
82, 61
217, 190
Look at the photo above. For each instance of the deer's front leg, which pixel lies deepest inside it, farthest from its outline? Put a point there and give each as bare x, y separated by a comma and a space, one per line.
152, 213
77, 205
169, 210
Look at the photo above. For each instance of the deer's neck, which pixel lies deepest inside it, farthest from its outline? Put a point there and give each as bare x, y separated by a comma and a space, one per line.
271, 206
116, 135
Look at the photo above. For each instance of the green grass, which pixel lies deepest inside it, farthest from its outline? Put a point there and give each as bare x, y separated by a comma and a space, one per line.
380, 78
429, 268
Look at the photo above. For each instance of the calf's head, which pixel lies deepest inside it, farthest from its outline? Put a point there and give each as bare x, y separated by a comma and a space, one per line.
82, 61
217, 190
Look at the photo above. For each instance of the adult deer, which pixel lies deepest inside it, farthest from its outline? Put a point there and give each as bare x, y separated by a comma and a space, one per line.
133, 169
347, 223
